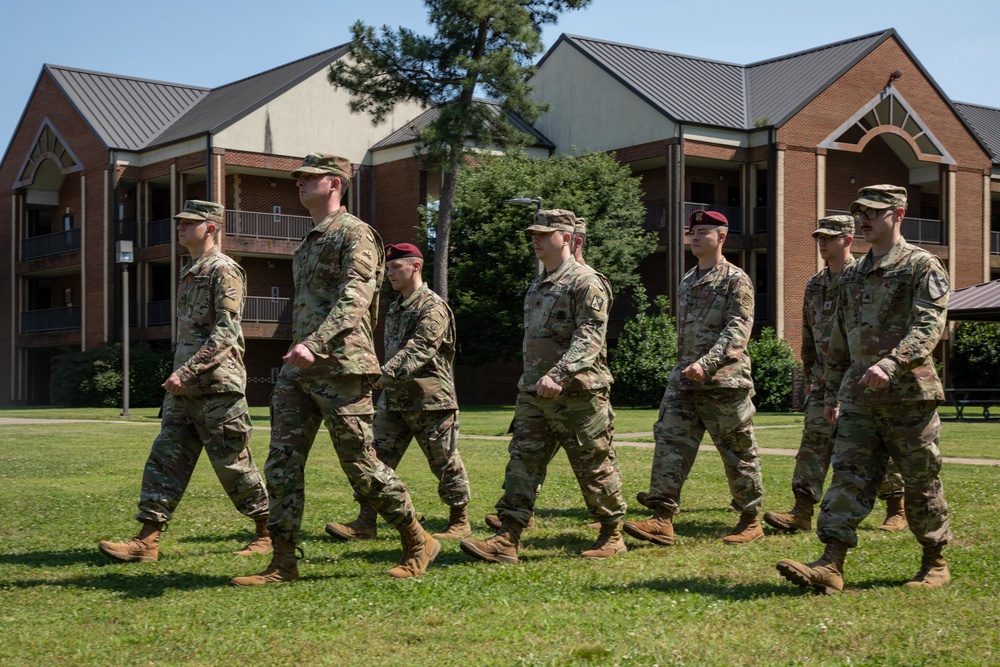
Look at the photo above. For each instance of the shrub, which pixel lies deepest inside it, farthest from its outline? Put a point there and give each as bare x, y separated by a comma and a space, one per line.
975, 355
773, 364
645, 354
93, 378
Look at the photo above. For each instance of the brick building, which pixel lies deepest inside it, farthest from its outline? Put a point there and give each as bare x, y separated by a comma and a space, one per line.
97, 158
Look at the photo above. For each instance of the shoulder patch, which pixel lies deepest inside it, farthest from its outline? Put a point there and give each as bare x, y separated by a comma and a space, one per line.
597, 303
937, 285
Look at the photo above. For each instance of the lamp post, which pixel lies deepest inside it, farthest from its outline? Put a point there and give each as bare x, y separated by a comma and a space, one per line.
123, 256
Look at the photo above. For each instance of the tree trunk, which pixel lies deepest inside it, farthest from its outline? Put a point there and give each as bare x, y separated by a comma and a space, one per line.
442, 234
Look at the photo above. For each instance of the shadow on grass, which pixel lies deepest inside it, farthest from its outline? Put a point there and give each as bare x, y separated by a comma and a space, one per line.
132, 583
717, 587
55, 558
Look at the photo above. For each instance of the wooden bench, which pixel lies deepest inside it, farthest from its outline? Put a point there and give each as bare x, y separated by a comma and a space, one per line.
980, 398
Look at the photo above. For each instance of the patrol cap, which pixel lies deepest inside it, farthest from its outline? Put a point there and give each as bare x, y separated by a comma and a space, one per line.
196, 209
552, 220
834, 225
401, 250
581, 227
880, 196
713, 218
321, 163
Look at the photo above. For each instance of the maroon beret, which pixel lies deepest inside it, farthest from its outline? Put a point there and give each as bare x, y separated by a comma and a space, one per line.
401, 250
713, 218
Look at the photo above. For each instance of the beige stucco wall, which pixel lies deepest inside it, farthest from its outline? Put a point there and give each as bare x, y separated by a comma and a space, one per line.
590, 110
313, 117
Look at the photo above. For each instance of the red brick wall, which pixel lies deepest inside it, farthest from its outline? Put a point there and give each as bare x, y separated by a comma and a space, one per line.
397, 199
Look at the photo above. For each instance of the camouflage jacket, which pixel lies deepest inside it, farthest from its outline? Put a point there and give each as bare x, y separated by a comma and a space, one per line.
819, 308
565, 324
891, 314
419, 351
337, 268
714, 319
209, 354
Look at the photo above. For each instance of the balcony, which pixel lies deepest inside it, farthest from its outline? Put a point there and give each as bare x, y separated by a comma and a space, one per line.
267, 225
914, 230
760, 307
47, 245
50, 319
158, 312
159, 232
129, 231
734, 214
267, 309
760, 215
995, 243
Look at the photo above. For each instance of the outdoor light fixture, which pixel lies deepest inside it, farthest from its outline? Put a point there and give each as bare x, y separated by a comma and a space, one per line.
124, 256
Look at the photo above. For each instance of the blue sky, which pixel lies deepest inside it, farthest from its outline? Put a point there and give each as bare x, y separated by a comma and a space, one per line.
213, 42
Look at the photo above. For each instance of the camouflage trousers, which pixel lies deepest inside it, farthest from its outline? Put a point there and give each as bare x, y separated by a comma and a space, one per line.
219, 423
685, 415
813, 459
580, 423
864, 439
436, 431
344, 405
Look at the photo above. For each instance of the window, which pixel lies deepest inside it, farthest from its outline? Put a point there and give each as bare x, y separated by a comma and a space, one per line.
702, 193
275, 292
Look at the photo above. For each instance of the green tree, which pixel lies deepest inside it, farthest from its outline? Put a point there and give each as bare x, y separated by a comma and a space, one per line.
493, 263
93, 378
773, 363
645, 354
484, 45
975, 355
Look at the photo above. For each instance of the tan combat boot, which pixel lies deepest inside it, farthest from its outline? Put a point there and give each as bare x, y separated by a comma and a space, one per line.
826, 575
609, 543
895, 515
261, 543
493, 522
746, 531
799, 518
283, 567
501, 548
658, 529
458, 525
419, 551
362, 528
933, 572
143, 549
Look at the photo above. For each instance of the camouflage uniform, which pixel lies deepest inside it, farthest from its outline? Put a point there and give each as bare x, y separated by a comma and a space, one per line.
891, 315
419, 396
565, 323
714, 319
212, 413
819, 310
337, 270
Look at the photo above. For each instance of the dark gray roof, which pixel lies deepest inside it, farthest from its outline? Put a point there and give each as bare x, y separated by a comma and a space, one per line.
124, 112
409, 133
710, 92
226, 105
976, 303
985, 122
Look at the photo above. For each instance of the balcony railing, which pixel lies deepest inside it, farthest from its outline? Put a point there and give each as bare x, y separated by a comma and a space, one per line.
267, 309
129, 231
50, 319
922, 230
158, 312
760, 307
159, 231
734, 214
267, 225
760, 215
995, 243
51, 244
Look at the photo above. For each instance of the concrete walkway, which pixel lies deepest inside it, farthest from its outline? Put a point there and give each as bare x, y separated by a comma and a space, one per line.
502, 438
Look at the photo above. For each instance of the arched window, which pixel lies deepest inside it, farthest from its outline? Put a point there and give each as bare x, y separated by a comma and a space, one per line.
49, 145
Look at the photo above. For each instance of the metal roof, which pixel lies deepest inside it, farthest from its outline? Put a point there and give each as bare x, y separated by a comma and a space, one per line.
124, 112
985, 123
226, 105
976, 303
410, 132
778, 88
696, 90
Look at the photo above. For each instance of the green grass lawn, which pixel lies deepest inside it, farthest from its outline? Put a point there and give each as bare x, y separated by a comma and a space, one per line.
64, 487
